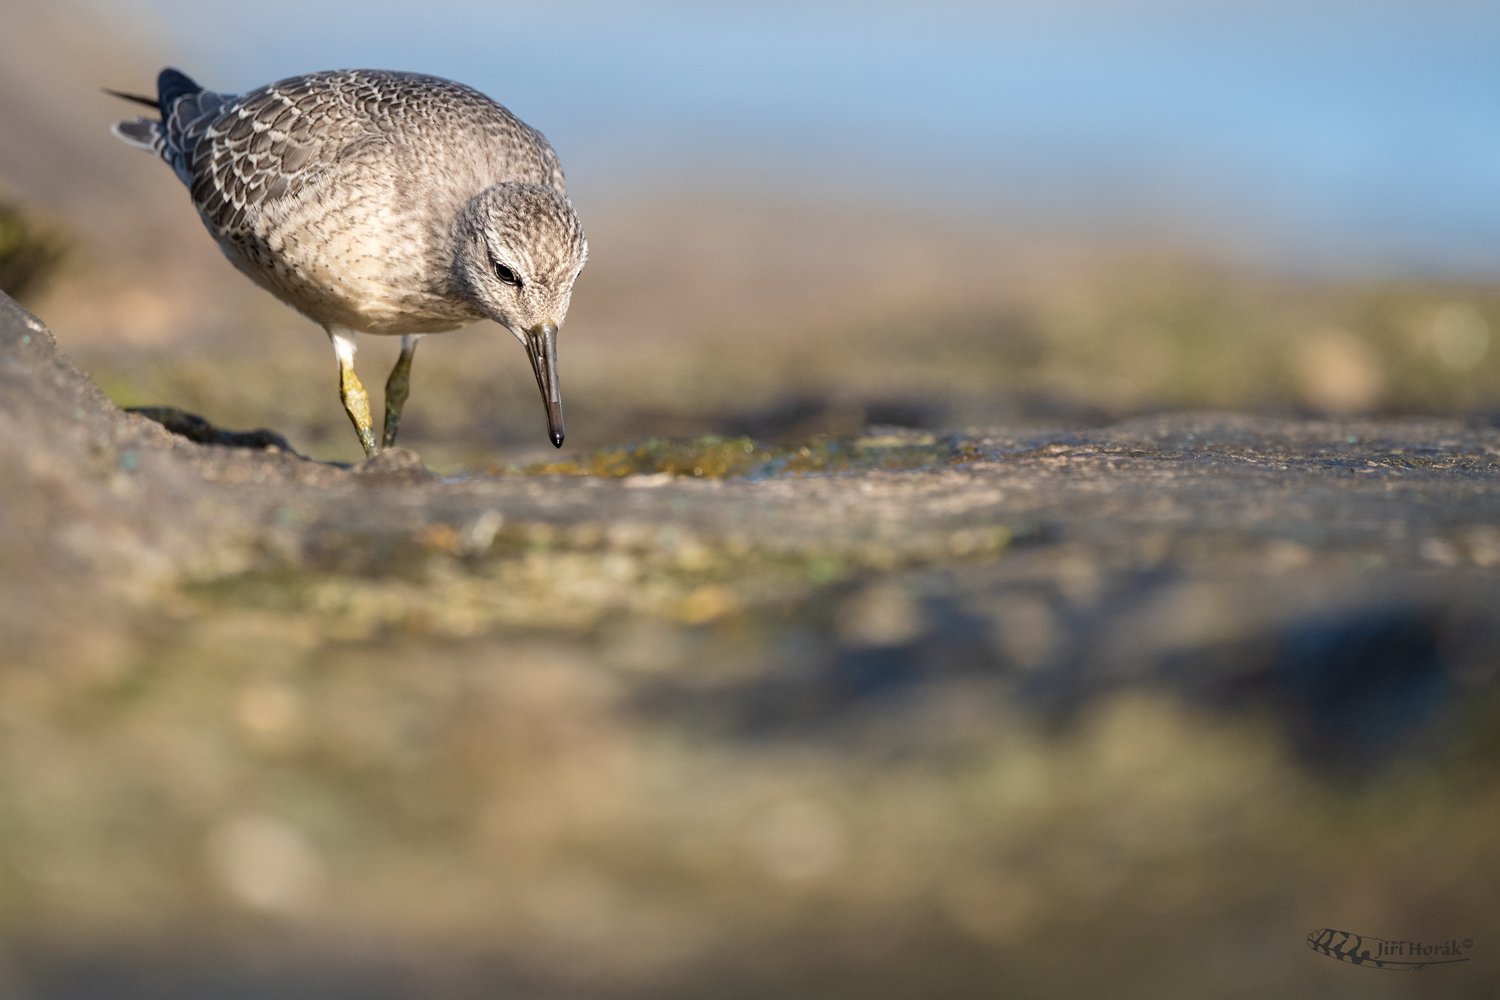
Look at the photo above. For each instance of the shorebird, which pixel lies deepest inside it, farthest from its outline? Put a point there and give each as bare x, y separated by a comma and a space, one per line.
379, 202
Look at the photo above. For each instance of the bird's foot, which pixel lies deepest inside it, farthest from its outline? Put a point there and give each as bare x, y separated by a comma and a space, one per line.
357, 405
397, 387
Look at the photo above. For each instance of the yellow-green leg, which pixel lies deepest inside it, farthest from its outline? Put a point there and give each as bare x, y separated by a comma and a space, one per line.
397, 387
352, 392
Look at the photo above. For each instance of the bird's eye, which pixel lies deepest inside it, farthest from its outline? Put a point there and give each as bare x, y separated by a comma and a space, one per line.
506, 275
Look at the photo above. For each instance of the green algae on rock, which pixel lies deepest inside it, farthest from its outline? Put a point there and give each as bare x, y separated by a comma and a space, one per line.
715, 457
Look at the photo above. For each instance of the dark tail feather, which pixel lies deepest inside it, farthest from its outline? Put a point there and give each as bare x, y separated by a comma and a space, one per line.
149, 102
171, 85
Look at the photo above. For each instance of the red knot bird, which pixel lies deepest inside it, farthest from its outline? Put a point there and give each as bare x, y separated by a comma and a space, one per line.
380, 202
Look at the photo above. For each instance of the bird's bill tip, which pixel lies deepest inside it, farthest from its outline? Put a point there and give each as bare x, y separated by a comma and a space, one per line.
555, 423
541, 347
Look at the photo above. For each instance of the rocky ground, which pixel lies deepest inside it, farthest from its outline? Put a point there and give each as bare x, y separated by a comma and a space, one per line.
1124, 711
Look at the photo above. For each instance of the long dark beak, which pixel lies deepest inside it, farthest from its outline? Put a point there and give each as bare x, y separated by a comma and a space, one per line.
541, 346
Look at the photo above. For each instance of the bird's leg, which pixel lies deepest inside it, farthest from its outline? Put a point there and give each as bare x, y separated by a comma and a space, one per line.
356, 400
397, 387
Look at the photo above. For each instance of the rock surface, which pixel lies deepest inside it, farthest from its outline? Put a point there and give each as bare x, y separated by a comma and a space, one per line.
810, 702
1288, 518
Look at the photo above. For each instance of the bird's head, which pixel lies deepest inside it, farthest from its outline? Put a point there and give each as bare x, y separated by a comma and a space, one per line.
520, 248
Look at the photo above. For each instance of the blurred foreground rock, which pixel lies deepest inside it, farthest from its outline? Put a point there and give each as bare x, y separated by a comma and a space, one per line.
658, 734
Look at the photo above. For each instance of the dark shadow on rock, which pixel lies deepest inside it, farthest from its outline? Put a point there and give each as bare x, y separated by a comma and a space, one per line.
1355, 689
195, 428
821, 681
1062, 410
798, 419
1364, 681
394, 466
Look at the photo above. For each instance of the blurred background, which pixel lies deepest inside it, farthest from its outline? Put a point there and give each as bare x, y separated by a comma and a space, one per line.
804, 218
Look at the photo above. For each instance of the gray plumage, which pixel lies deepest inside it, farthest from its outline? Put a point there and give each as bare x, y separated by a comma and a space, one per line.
379, 202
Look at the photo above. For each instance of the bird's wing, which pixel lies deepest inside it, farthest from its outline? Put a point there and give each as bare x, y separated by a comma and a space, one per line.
271, 143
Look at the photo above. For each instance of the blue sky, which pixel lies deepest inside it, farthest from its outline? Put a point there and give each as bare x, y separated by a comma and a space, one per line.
1314, 134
